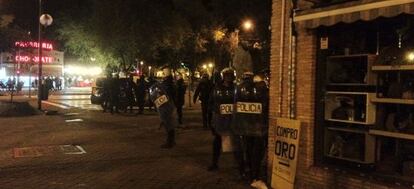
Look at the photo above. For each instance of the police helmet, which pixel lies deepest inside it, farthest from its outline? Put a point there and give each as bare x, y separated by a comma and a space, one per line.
166, 71
258, 78
205, 76
247, 75
228, 72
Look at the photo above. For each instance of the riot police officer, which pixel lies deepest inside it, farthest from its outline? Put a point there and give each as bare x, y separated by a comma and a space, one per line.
251, 123
166, 110
221, 105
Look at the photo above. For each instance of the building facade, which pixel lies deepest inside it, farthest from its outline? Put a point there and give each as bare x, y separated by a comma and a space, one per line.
343, 70
23, 63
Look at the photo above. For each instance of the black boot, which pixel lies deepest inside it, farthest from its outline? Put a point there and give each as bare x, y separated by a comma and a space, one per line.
170, 140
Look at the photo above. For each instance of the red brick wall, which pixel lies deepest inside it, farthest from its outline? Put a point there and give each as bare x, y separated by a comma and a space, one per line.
308, 175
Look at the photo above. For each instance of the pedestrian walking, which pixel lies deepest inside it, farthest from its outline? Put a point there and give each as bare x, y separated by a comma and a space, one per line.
181, 88
9, 84
202, 93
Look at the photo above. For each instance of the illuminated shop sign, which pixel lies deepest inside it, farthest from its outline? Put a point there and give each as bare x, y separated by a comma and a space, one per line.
45, 59
31, 44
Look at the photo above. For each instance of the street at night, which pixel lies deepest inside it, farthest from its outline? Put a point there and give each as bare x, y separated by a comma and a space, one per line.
207, 94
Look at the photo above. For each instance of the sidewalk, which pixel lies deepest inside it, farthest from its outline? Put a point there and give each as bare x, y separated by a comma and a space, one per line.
67, 91
122, 151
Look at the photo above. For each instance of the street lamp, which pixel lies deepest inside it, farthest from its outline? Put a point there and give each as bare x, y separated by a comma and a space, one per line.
210, 65
141, 66
248, 25
205, 66
149, 70
45, 20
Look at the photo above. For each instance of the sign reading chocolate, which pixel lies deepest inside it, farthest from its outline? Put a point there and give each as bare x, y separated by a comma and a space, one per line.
32, 44
226, 109
249, 107
160, 101
45, 59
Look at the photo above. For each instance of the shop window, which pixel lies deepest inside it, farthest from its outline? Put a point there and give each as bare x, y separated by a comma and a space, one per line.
365, 87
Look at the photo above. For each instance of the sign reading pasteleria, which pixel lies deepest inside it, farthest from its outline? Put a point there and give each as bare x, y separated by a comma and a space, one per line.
160, 101
286, 153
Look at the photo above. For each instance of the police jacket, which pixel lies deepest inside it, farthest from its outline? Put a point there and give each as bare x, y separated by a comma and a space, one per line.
170, 88
221, 104
251, 109
164, 104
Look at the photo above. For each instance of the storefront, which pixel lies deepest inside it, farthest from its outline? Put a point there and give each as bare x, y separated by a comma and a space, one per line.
345, 71
23, 63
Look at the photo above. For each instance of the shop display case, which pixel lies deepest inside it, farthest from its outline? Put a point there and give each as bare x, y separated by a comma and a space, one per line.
348, 110
395, 84
349, 144
349, 107
394, 126
350, 70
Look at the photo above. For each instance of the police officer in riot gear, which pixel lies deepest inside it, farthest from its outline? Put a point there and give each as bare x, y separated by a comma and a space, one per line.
251, 122
166, 110
221, 104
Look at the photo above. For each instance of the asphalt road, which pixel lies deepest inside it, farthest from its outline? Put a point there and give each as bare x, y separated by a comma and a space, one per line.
74, 101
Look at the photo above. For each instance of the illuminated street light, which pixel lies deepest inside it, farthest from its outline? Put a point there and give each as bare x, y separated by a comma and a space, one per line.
44, 20
141, 68
204, 66
248, 25
149, 70
210, 65
410, 56
219, 35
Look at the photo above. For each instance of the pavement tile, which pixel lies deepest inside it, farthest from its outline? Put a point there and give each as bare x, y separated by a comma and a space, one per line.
122, 152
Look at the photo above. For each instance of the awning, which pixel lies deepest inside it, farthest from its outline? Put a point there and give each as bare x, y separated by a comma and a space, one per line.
365, 10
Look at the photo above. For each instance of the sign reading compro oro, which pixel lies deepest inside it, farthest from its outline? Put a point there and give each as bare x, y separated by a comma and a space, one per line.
285, 155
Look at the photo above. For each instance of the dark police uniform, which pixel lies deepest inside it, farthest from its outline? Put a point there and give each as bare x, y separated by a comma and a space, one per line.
251, 123
166, 110
221, 105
